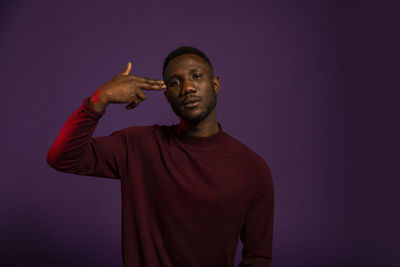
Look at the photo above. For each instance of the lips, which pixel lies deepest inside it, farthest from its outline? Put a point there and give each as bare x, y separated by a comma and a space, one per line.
190, 102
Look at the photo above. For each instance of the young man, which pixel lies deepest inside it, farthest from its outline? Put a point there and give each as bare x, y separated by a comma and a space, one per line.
189, 191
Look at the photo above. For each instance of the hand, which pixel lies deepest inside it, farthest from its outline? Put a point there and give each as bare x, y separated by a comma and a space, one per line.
124, 88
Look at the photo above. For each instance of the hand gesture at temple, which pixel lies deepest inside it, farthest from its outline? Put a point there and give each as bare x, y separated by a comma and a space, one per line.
124, 88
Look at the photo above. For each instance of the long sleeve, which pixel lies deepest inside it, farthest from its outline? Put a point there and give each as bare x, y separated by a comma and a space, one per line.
256, 233
76, 151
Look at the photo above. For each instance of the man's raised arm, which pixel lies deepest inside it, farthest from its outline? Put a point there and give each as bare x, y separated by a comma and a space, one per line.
75, 150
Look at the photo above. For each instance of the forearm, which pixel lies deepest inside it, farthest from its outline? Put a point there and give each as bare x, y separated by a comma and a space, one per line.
73, 140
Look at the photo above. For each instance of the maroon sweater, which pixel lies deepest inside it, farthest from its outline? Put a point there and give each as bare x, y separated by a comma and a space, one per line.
185, 200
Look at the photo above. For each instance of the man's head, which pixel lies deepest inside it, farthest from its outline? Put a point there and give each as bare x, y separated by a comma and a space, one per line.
191, 86
184, 50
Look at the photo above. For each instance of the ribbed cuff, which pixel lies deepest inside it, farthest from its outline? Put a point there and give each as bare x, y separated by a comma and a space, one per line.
90, 111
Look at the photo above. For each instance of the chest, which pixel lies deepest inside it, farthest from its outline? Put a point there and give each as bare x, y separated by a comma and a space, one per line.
214, 181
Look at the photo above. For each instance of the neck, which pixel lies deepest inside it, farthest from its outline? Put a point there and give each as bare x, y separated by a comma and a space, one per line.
207, 127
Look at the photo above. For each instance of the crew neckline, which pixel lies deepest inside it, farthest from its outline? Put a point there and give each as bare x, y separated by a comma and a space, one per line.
198, 141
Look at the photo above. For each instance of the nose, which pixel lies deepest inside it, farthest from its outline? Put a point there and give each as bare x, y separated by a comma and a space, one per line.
188, 87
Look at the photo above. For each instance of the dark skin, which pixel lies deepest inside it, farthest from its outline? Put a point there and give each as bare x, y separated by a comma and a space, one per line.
189, 78
124, 88
191, 91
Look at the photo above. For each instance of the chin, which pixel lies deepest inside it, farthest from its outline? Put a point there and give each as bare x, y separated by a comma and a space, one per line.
194, 118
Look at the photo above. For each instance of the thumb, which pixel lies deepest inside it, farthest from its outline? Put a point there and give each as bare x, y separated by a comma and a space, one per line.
127, 69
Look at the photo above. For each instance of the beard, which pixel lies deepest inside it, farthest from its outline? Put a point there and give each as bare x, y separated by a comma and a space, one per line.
204, 113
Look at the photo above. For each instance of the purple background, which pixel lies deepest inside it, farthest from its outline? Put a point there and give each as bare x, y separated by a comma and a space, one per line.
309, 85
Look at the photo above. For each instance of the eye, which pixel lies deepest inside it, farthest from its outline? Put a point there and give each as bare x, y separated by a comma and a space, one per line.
197, 75
174, 83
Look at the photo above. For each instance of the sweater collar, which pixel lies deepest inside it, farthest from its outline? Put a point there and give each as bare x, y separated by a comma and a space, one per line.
199, 141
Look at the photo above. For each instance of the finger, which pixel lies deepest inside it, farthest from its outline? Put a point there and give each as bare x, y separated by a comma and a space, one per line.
127, 69
131, 106
149, 86
148, 80
140, 95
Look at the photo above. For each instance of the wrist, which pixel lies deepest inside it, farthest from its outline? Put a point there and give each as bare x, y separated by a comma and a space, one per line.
98, 101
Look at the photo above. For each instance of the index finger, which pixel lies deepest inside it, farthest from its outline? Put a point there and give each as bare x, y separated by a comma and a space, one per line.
148, 80
152, 86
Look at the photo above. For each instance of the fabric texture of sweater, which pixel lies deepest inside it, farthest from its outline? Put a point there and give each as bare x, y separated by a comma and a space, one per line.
186, 200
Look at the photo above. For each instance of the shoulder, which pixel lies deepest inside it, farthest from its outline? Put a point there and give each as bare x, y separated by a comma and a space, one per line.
241, 149
255, 164
256, 168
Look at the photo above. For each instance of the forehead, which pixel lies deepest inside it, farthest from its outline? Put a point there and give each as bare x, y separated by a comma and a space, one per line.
185, 63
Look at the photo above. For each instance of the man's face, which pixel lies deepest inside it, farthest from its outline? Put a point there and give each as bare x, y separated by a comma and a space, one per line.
191, 88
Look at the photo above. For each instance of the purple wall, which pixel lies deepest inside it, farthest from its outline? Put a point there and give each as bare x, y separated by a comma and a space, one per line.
306, 84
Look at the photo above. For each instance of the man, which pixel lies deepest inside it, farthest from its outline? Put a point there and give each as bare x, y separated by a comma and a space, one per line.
189, 191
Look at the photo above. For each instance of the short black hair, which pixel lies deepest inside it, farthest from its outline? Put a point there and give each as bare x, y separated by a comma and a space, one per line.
183, 50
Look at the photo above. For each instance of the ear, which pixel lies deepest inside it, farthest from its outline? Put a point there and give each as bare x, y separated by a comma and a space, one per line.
166, 95
216, 84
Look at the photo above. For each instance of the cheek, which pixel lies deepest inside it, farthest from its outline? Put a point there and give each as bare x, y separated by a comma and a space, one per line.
210, 91
172, 98
169, 95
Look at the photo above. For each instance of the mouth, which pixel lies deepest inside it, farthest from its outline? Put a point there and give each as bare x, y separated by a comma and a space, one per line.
190, 102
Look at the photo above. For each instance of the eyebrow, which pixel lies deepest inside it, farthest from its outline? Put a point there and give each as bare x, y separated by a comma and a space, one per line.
190, 71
